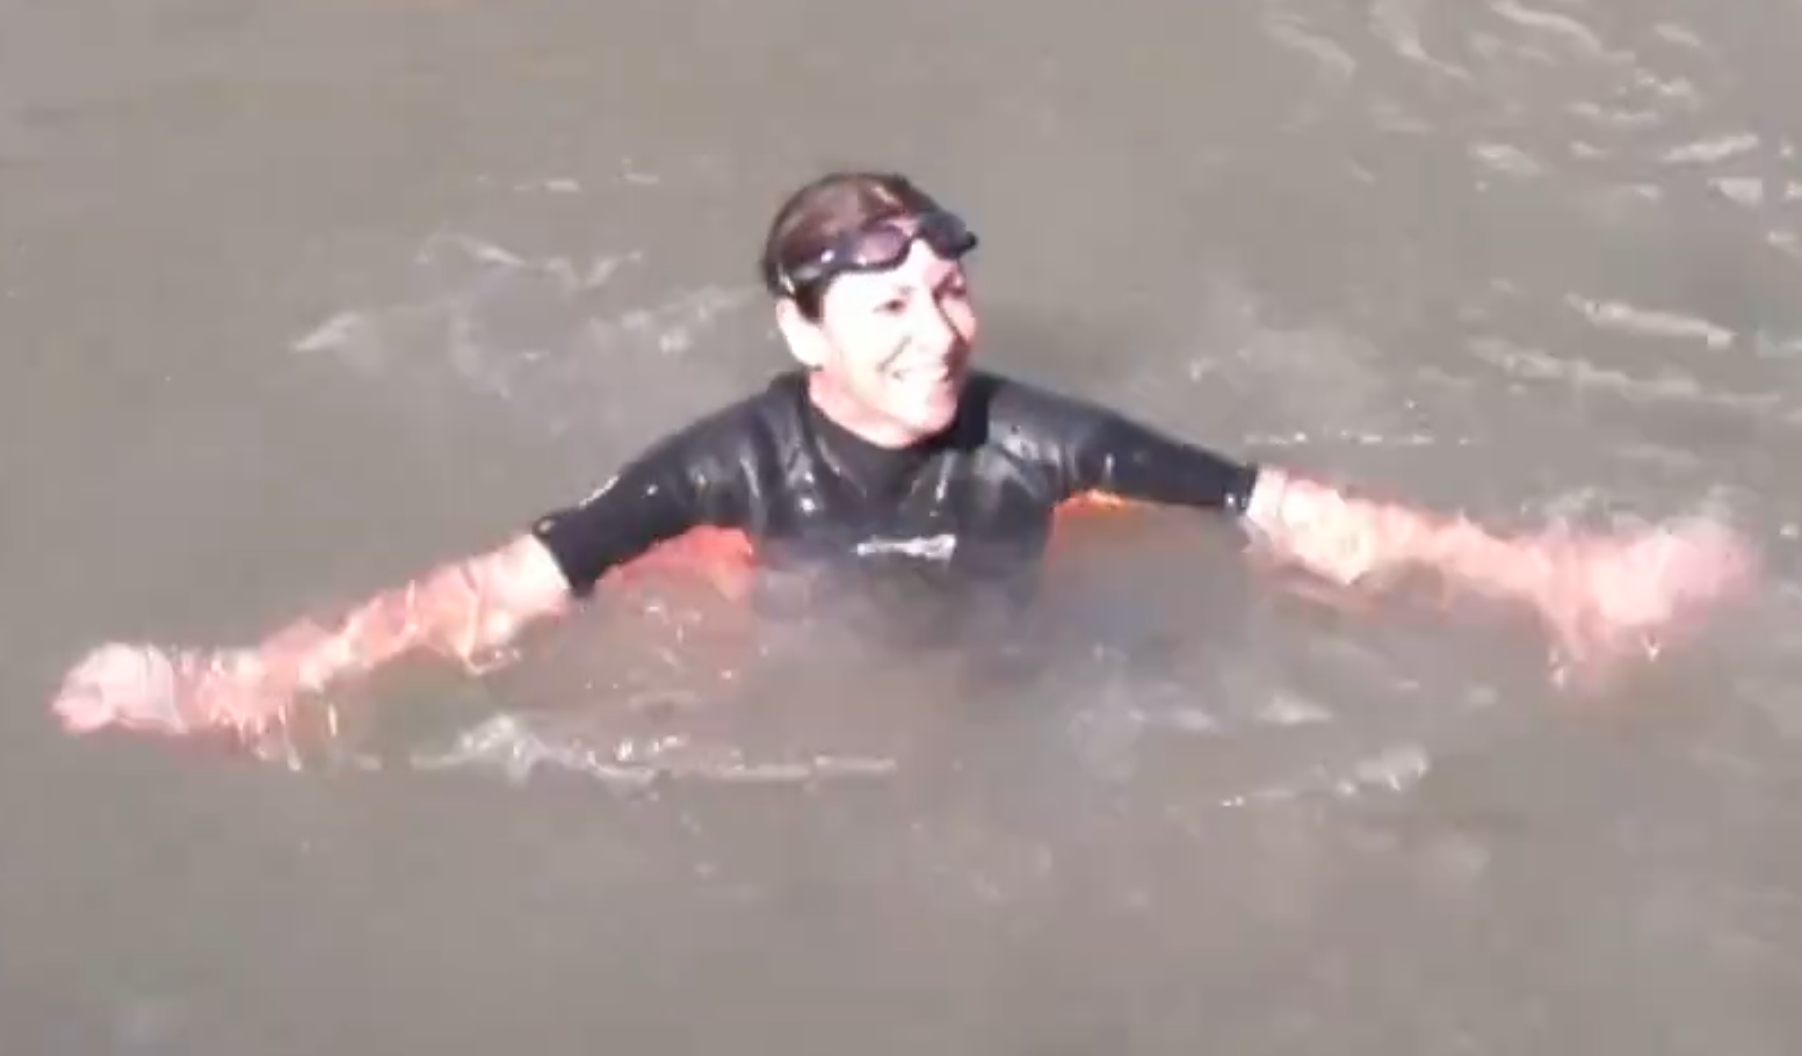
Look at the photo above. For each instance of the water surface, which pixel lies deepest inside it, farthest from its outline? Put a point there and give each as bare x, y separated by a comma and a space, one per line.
297, 299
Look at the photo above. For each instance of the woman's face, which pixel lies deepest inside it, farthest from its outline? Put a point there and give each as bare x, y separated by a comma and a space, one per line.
892, 348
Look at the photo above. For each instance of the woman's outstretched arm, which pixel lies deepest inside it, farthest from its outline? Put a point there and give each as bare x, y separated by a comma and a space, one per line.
470, 610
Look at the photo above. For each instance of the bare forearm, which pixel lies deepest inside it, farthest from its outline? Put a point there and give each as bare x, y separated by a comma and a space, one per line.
1369, 544
466, 610
469, 610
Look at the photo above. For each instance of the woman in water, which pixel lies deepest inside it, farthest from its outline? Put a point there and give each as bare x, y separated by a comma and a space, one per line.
886, 447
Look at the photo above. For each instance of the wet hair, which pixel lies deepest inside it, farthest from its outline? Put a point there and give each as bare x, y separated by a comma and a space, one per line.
824, 210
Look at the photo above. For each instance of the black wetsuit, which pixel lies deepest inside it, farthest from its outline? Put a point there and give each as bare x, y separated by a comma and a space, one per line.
975, 504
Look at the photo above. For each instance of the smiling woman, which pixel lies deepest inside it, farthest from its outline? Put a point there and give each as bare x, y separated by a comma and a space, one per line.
889, 453
888, 352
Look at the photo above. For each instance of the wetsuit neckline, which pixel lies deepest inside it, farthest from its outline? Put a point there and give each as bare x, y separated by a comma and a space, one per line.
880, 472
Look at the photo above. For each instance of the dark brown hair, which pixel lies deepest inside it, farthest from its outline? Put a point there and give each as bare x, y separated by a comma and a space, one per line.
825, 209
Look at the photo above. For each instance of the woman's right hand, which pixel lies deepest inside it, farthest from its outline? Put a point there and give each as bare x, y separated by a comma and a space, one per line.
180, 694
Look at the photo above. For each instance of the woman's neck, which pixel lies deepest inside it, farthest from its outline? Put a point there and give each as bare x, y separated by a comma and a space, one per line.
844, 411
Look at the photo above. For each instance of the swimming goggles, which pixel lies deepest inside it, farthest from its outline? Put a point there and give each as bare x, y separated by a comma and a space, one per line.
880, 246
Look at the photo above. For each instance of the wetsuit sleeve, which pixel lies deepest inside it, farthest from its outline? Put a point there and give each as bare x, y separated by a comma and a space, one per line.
1103, 451
678, 484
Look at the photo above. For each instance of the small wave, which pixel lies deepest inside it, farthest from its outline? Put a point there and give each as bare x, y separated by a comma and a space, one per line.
550, 185
544, 332
509, 746
1332, 60
1616, 118
1397, 24
1747, 191
1625, 318
1671, 386
1682, 36
1333, 65
1712, 150
1675, 90
567, 276
1287, 709
1394, 770
1564, 28
1355, 438
1507, 160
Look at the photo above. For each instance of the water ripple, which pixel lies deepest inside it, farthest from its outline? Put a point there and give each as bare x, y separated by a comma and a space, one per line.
1579, 38
1397, 24
545, 333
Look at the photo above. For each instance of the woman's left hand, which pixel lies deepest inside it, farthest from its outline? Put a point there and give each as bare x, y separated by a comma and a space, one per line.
1609, 599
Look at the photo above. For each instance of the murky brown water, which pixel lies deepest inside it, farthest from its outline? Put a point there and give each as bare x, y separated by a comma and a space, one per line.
296, 299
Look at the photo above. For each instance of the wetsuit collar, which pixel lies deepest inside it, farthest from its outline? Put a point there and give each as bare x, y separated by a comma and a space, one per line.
880, 472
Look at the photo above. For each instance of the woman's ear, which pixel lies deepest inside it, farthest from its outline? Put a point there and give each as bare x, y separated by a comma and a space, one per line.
805, 340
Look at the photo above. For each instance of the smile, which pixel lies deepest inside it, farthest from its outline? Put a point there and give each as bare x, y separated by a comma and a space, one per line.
926, 373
